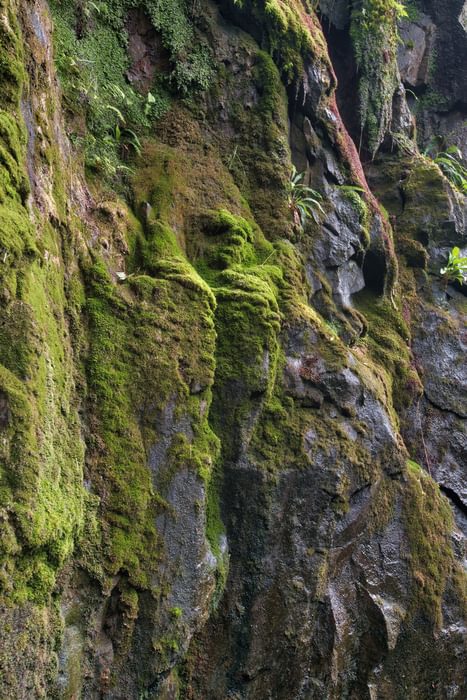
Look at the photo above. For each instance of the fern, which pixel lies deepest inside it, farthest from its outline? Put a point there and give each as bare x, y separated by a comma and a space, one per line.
451, 165
302, 200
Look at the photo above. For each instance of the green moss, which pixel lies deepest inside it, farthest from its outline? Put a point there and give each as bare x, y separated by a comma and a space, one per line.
16, 233
129, 496
168, 316
388, 343
428, 521
11, 55
426, 195
412, 9
356, 198
383, 504
427, 201
46, 500
413, 251
246, 295
261, 167
42, 497
290, 32
121, 465
373, 30
267, 79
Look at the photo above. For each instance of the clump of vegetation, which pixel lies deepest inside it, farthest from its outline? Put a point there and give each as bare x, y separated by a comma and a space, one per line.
93, 63
413, 12
92, 69
456, 267
451, 164
302, 200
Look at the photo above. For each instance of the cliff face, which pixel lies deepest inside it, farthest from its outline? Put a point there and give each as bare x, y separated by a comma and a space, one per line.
232, 441
432, 54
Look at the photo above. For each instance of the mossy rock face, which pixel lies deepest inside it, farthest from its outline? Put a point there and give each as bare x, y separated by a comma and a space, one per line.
42, 451
430, 548
422, 203
127, 396
205, 420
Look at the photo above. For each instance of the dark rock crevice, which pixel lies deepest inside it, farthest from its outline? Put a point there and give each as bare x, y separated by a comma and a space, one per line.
455, 499
444, 409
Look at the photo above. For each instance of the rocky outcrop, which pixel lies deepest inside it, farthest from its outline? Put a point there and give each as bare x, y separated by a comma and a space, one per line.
232, 444
432, 56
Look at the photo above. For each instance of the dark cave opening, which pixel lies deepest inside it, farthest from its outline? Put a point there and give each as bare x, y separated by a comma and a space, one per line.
374, 272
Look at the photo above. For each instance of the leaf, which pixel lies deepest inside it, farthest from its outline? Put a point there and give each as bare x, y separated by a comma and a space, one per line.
455, 150
117, 112
117, 91
351, 188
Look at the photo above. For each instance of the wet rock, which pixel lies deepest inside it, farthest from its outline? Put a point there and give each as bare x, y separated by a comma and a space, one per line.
336, 12
431, 57
348, 280
188, 564
301, 455
415, 50
146, 51
440, 350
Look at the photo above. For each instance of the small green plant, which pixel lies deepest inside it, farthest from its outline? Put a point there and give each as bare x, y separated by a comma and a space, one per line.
302, 200
456, 268
126, 138
450, 163
351, 188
